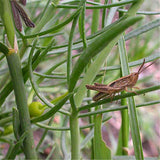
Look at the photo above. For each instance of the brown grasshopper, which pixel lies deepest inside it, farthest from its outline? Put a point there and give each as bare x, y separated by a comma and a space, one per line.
118, 85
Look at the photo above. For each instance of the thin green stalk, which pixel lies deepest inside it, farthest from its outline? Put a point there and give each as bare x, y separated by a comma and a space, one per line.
94, 29
16, 123
75, 137
104, 15
82, 24
64, 128
14, 148
31, 76
95, 19
134, 63
45, 16
21, 100
4, 80
131, 103
6, 120
98, 6
142, 29
118, 108
2, 56
74, 124
51, 152
74, 130
23, 48
70, 43
5, 114
44, 134
140, 12
111, 14
124, 131
45, 10
6, 15
55, 101
64, 146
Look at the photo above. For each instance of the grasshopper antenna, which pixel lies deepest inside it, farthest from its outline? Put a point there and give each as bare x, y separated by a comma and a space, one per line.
139, 71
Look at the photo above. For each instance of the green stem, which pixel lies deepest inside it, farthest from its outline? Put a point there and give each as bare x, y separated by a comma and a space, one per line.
75, 142
75, 133
6, 15
44, 134
6, 120
95, 19
124, 132
98, 6
133, 119
21, 100
113, 109
104, 15
70, 43
82, 23
94, 29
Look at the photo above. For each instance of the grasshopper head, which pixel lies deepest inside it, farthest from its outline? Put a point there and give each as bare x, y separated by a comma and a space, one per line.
133, 78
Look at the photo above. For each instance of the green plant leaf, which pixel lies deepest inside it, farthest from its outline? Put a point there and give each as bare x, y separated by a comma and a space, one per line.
101, 151
4, 49
142, 29
16, 123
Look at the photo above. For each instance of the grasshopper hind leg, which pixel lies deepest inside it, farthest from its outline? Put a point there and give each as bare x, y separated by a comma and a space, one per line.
99, 96
130, 91
136, 87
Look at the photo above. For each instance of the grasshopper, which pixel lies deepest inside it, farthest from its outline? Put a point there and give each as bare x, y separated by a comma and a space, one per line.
118, 85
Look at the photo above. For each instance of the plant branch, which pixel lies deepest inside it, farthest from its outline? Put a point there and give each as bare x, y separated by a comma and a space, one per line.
21, 101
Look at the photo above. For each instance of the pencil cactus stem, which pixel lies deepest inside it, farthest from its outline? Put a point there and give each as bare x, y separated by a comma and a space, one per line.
21, 101
6, 15
75, 147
